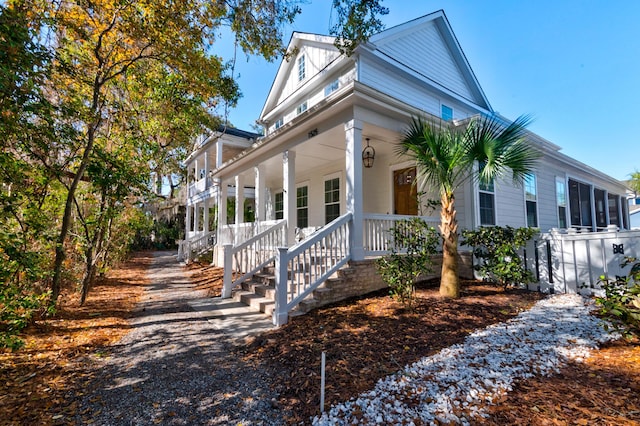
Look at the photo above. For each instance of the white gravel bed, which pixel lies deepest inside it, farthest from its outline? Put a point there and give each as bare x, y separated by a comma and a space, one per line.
458, 383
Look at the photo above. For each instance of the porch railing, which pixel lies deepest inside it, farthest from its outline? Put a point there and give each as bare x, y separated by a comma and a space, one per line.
302, 268
251, 256
189, 249
230, 234
376, 231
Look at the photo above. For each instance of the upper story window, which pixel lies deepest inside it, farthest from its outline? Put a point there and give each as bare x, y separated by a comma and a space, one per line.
301, 108
301, 68
531, 200
331, 87
446, 112
279, 123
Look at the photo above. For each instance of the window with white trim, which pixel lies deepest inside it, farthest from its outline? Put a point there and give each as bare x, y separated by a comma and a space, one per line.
614, 211
302, 206
580, 204
486, 198
531, 200
301, 68
446, 112
331, 87
561, 202
279, 205
331, 199
279, 123
301, 108
600, 200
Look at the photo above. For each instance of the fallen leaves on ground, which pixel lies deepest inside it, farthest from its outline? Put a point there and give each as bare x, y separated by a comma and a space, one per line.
39, 381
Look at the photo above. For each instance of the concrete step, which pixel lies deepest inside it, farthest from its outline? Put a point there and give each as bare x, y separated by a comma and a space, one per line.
254, 301
260, 289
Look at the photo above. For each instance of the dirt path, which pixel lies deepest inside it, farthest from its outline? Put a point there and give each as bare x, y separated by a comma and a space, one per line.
175, 366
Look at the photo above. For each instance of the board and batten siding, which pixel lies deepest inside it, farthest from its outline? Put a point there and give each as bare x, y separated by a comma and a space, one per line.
426, 52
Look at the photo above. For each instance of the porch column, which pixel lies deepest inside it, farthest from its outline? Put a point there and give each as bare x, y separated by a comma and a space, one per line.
260, 193
222, 209
205, 216
196, 170
206, 170
239, 206
219, 153
354, 199
196, 217
187, 222
289, 194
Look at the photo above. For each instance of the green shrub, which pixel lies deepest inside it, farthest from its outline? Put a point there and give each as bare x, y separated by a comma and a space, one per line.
497, 248
413, 245
621, 301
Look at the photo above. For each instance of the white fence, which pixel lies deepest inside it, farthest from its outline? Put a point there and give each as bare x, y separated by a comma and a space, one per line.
572, 262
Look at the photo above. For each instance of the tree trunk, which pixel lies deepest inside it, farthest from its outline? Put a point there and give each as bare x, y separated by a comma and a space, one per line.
449, 281
89, 273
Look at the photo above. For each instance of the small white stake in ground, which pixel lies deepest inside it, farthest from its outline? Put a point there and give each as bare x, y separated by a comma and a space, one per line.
322, 384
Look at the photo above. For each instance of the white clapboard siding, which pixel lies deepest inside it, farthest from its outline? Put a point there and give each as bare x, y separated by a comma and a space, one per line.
425, 51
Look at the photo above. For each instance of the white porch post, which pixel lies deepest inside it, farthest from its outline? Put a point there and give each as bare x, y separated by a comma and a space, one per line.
196, 217
354, 198
289, 194
196, 170
260, 193
206, 171
205, 216
218, 153
187, 227
222, 209
239, 206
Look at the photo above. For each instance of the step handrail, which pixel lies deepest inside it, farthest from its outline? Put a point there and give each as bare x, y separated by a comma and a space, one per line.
252, 255
301, 268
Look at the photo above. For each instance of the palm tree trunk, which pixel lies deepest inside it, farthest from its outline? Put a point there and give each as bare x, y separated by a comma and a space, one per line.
449, 280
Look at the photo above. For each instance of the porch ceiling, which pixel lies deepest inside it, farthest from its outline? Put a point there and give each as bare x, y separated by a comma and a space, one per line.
328, 148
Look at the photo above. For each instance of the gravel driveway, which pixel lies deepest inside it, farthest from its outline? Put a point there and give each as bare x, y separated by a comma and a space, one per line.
175, 367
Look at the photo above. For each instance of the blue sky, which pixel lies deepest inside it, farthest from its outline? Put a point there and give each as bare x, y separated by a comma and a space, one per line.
574, 65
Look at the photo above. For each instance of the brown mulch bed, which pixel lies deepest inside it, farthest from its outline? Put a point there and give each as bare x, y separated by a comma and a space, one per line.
39, 381
364, 339
374, 336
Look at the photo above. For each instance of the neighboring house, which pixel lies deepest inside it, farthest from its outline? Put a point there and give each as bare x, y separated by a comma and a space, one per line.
325, 181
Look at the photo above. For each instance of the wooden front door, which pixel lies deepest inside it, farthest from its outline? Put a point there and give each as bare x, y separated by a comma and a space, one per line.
405, 200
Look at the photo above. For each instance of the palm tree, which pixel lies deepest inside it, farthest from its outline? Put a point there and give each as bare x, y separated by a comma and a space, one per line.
446, 157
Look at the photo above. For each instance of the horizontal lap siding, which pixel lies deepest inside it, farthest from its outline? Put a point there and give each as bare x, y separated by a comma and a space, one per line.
509, 203
385, 80
425, 52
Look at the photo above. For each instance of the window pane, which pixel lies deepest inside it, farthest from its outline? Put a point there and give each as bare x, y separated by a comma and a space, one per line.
585, 205
279, 205
614, 216
446, 113
302, 212
601, 215
332, 199
530, 187
574, 203
532, 216
332, 211
487, 214
562, 216
301, 68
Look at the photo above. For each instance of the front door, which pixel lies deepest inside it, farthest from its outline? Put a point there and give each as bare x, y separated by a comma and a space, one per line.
405, 199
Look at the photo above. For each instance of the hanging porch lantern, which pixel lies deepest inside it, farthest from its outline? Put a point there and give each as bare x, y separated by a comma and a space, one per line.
368, 155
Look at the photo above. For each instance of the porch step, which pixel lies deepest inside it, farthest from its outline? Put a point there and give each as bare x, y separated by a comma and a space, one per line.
255, 301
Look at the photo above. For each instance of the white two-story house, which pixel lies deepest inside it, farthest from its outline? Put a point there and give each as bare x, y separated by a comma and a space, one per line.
325, 182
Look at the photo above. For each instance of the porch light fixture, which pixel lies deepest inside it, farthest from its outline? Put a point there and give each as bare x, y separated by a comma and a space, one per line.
368, 155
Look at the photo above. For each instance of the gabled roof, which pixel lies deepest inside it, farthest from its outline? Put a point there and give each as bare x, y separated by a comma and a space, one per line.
296, 42
427, 47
